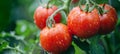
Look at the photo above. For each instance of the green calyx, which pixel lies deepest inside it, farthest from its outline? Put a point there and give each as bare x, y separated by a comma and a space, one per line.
90, 5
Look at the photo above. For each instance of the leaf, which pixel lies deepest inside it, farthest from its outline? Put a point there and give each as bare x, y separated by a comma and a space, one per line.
70, 50
101, 1
3, 44
25, 28
9, 51
95, 47
13, 42
77, 49
83, 45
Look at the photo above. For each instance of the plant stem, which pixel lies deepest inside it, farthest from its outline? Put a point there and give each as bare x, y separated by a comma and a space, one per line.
48, 4
87, 6
100, 9
80, 4
50, 20
65, 7
105, 45
16, 49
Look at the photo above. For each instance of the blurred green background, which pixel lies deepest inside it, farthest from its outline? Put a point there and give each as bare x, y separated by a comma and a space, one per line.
19, 34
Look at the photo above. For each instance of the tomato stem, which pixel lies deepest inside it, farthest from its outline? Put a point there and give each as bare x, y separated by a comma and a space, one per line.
100, 9
16, 49
50, 21
66, 6
48, 4
87, 6
80, 4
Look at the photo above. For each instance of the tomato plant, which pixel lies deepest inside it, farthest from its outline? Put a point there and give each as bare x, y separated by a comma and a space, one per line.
64, 27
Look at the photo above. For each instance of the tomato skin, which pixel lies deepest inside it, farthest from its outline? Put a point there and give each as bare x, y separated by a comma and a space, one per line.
55, 39
108, 20
74, 1
82, 24
41, 14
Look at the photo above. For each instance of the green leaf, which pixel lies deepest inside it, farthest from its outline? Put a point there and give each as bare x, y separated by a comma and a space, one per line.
9, 51
95, 47
70, 50
78, 50
81, 44
101, 1
3, 44
13, 42
25, 28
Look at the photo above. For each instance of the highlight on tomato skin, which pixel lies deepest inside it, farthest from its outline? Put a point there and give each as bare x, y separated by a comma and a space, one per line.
41, 14
82, 24
108, 20
56, 39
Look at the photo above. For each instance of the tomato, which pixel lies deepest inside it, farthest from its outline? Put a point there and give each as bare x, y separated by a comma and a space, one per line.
41, 14
108, 20
83, 24
56, 39
74, 1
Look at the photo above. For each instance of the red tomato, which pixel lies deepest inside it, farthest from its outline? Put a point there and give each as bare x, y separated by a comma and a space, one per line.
74, 1
108, 20
41, 14
83, 24
56, 39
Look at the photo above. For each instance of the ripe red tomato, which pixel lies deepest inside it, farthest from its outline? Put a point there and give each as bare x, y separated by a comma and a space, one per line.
41, 14
74, 1
108, 20
83, 24
56, 39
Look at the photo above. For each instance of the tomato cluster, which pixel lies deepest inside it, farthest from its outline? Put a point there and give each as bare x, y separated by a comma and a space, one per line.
88, 24
56, 39
79, 23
